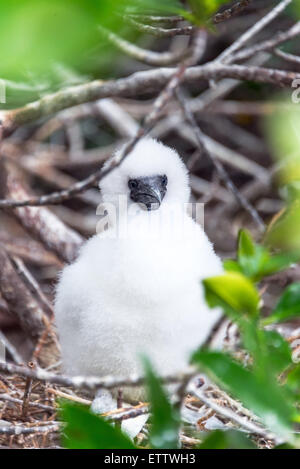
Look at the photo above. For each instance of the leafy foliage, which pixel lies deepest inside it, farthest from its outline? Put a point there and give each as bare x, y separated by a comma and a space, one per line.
288, 305
254, 389
59, 44
165, 420
227, 440
233, 291
85, 430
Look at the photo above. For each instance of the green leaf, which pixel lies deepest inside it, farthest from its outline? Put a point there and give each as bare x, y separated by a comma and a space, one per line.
164, 432
85, 430
233, 292
256, 262
293, 379
261, 395
232, 266
279, 352
288, 306
251, 257
280, 262
227, 440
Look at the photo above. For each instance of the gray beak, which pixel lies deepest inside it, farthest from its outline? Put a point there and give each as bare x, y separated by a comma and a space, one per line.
148, 191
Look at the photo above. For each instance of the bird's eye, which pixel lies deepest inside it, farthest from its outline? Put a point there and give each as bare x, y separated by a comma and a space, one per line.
132, 184
164, 180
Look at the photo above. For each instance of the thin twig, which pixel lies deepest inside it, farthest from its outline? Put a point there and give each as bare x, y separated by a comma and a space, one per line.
161, 32
221, 171
7, 397
22, 430
146, 56
242, 422
11, 349
288, 57
237, 8
27, 391
134, 85
269, 44
93, 382
226, 56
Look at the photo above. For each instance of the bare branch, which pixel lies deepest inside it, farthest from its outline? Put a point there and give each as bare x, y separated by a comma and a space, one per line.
11, 349
20, 301
226, 56
22, 430
269, 44
136, 84
92, 382
242, 422
288, 57
8, 398
161, 32
41, 222
146, 56
157, 19
221, 171
57, 197
237, 8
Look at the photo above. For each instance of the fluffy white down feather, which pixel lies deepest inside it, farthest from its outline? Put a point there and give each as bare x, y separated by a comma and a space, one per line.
141, 293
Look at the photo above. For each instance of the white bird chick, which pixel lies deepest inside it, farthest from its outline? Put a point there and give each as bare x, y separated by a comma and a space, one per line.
136, 287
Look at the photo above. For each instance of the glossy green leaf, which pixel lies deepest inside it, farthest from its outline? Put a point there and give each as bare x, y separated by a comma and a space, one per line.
232, 291
85, 430
164, 433
262, 395
227, 440
288, 306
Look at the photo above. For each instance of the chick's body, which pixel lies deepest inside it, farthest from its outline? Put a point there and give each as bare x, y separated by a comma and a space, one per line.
140, 293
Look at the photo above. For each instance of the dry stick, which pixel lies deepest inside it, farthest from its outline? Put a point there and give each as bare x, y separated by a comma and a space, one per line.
237, 8
161, 32
21, 430
46, 226
92, 382
227, 413
221, 171
11, 349
226, 56
253, 73
30, 251
120, 120
269, 44
156, 19
20, 301
146, 56
224, 154
135, 84
32, 284
27, 391
130, 413
288, 57
232, 11
8, 398
160, 102
77, 399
